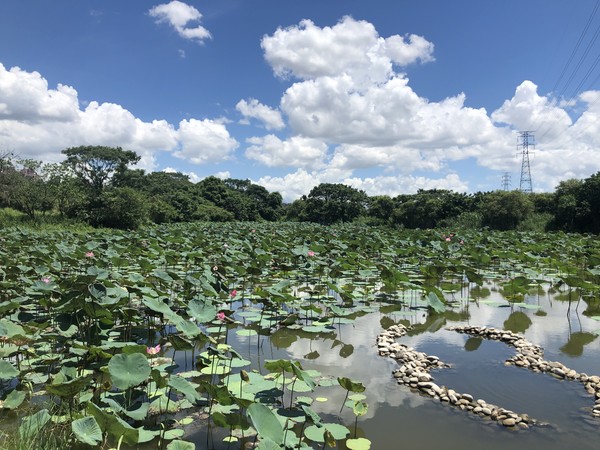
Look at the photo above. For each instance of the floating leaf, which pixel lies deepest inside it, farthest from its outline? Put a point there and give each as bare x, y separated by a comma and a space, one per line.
246, 332
181, 445
358, 444
317, 434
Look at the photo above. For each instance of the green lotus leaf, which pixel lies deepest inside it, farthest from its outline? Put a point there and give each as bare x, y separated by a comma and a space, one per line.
202, 311
173, 434
69, 389
181, 445
128, 370
351, 386
87, 430
185, 387
317, 434
13, 400
358, 444
32, 425
7, 370
246, 332
266, 423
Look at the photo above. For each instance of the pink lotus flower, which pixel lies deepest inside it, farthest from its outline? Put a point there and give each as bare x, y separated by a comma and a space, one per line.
310, 253
89, 255
153, 350
448, 239
46, 280
221, 316
233, 293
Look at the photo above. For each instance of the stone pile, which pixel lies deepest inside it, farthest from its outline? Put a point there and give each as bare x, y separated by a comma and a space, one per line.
531, 356
414, 372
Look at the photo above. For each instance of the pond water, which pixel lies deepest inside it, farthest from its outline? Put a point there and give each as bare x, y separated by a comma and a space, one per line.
401, 418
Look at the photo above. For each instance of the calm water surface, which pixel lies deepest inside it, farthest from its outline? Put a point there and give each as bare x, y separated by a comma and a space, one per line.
400, 418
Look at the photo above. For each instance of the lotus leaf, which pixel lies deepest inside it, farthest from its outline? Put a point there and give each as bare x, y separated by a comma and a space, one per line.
87, 430
265, 422
127, 371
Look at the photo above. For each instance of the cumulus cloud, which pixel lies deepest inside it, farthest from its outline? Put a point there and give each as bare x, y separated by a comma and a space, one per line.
204, 141
351, 46
297, 151
293, 185
37, 122
192, 176
179, 15
527, 110
25, 96
223, 175
254, 109
349, 94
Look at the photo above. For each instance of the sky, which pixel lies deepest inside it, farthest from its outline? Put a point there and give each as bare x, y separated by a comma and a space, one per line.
385, 96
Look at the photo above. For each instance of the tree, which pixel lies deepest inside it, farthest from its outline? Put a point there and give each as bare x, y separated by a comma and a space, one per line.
96, 165
566, 198
25, 187
589, 199
505, 210
70, 196
120, 207
381, 208
430, 208
329, 203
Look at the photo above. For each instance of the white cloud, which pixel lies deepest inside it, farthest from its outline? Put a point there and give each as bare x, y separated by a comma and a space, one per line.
192, 176
256, 110
204, 141
529, 111
351, 46
293, 185
179, 15
25, 96
297, 151
395, 185
223, 175
38, 122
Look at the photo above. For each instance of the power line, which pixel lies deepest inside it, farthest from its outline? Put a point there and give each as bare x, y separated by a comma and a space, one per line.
546, 117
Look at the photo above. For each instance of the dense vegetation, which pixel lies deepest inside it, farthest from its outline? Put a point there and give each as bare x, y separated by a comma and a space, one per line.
95, 185
115, 338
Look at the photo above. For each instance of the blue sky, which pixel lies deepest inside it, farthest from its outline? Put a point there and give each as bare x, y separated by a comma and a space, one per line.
386, 96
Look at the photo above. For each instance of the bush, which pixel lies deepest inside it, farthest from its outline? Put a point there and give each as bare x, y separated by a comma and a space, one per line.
121, 207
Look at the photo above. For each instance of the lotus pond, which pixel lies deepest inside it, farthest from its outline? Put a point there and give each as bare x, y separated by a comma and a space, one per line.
239, 335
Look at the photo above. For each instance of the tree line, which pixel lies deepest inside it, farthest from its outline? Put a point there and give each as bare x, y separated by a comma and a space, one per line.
96, 185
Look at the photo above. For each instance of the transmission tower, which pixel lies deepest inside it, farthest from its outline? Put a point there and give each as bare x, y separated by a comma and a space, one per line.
506, 181
525, 142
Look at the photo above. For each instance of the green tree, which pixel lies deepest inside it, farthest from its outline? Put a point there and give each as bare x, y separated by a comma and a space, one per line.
329, 203
505, 210
381, 208
120, 207
430, 208
25, 187
96, 165
70, 193
566, 198
588, 219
